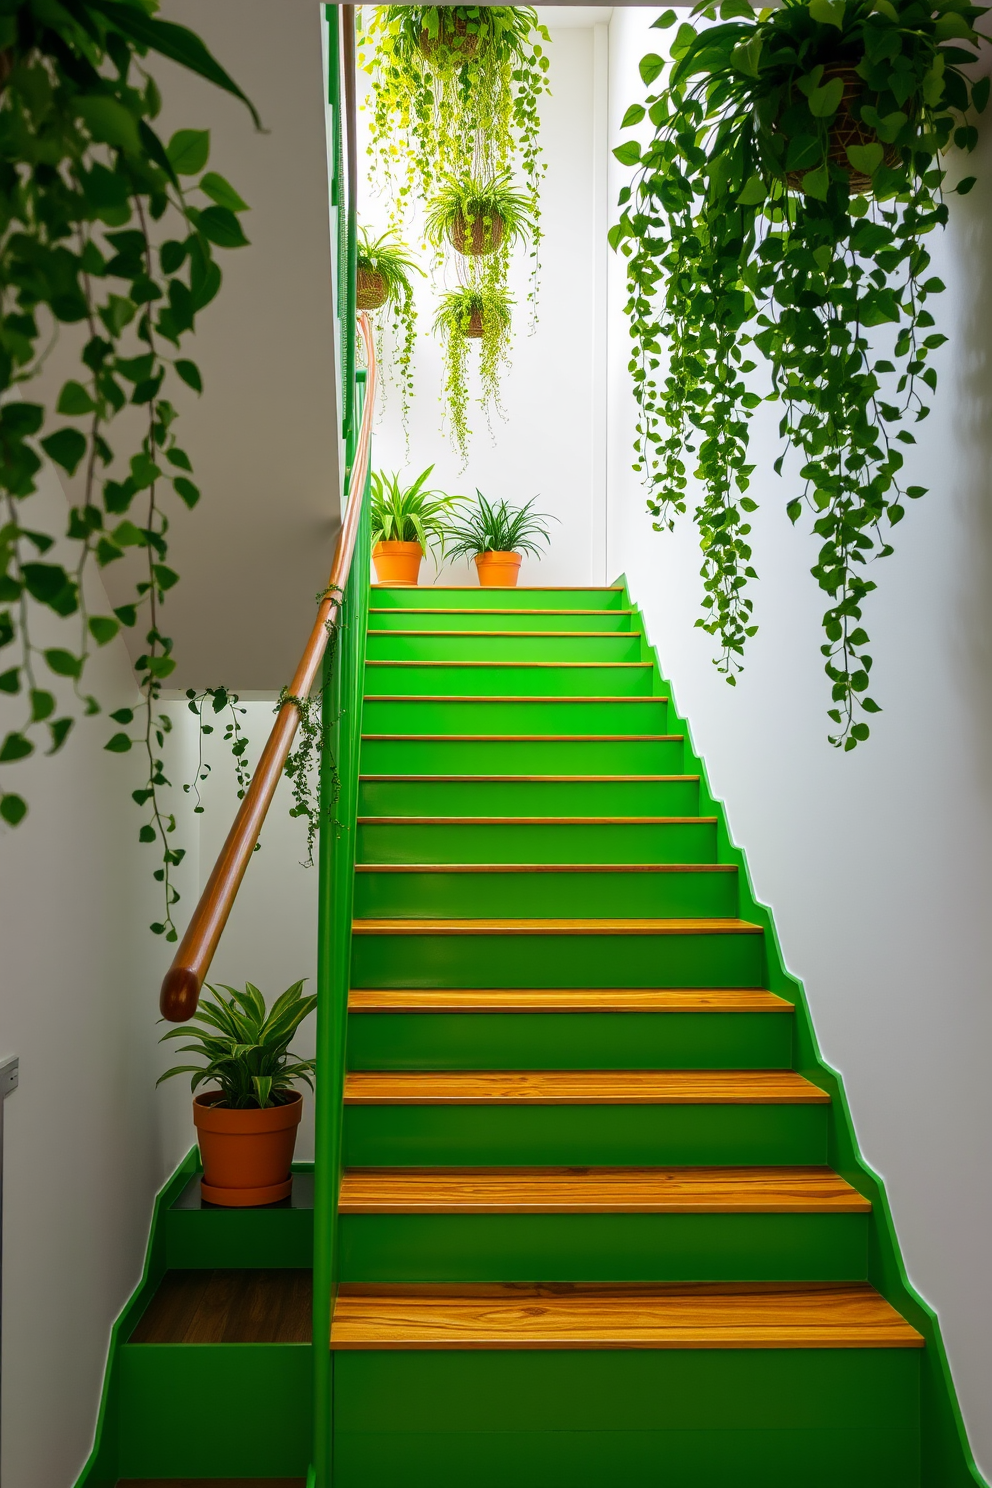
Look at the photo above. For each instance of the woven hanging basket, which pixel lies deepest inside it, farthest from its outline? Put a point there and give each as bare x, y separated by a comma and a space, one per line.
371, 290
460, 43
483, 235
847, 130
476, 325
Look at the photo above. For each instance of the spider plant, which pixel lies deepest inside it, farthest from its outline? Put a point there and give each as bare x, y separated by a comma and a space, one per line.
409, 513
246, 1049
465, 315
499, 527
384, 269
485, 215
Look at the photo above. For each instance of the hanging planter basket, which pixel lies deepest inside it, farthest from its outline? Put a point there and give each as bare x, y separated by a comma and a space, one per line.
371, 290
476, 327
847, 130
477, 236
458, 42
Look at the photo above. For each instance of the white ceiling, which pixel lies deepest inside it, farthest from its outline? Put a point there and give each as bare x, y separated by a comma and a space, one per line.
570, 16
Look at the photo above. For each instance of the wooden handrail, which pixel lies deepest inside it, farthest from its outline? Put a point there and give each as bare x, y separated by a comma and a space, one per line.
183, 980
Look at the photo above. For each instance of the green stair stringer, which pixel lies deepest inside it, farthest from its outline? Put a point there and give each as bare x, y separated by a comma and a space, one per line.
946, 1456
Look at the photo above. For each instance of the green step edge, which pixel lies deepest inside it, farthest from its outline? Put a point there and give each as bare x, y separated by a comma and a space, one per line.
947, 1460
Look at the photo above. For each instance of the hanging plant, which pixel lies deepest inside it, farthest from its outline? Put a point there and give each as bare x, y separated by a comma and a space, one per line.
383, 282
784, 203
455, 87
482, 220
84, 181
466, 315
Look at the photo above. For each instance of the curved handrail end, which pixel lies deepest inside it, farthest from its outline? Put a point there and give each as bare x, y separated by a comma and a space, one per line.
180, 994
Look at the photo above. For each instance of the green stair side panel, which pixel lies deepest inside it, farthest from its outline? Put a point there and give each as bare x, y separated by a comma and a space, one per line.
946, 1457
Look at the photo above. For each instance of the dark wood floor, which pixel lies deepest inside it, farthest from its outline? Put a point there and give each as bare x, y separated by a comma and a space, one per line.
230, 1307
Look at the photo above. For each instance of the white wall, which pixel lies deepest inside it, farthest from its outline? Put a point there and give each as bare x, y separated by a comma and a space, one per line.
87, 1141
551, 442
876, 863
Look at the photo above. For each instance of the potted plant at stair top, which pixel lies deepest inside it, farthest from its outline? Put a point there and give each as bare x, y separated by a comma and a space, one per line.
496, 535
452, 83
246, 1127
406, 522
465, 316
383, 283
786, 188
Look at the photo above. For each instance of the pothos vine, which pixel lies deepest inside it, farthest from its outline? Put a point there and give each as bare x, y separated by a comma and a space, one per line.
83, 180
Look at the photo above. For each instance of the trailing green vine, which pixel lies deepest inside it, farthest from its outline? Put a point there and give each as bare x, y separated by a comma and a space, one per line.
84, 181
465, 316
783, 203
383, 283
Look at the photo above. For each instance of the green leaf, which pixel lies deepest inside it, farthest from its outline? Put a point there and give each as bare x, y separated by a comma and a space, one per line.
747, 56
223, 193
10, 681
190, 374
980, 94
15, 747
119, 744
629, 153
828, 12
59, 730
74, 400
123, 715
188, 150
666, 19
754, 192
42, 705
963, 187
13, 808
824, 101
66, 447
816, 183
952, 24
650, 66
219, 225
732, 10
186, 491
866, 158
103, 629
634, 115
63, 663
109, 122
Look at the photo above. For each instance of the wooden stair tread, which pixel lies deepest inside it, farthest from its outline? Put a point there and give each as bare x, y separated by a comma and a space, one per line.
545, 867
527, 738
412, 926
579, 1087
568, 1000
535, 821
596, 1317
543, 779
229, 1306
725, 1190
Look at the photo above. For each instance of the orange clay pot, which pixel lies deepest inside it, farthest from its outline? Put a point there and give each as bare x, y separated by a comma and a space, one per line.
498, 570
397, 562
246, 1154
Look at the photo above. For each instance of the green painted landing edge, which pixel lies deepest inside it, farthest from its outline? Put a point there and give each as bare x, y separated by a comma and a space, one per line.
946, 1457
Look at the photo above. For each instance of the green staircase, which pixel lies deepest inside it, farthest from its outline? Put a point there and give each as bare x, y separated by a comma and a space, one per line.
601, 1218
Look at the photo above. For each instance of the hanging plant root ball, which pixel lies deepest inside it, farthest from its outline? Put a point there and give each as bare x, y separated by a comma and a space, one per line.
371, 291
477, 236
456, 43
847, 130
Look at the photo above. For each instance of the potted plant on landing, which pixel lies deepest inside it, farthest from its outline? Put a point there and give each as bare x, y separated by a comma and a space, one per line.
467, 315
247, 1127
788, 178
383, 282
496, 535
406, 521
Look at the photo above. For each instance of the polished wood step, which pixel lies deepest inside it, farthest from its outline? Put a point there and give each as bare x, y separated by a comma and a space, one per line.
730, 1190
567, 1000
712, 926
236, 1306
579, 1087
677, 1315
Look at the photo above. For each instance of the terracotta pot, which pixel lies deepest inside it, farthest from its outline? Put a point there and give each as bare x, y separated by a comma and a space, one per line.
246, 1154
371, 292
398, 563
483, 235
459, 43
847, 130
498, 570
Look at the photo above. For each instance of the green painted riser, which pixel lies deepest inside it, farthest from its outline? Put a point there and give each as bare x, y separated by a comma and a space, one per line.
584, 1136
536, 842
485, 645
265, 1238
554, 756
515, 715
528, 798
557, 961
540, 1041
214, 1410
767, 1418
559, 895
603, 1247
509, 680
450, 597
869, 1457
608, 621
